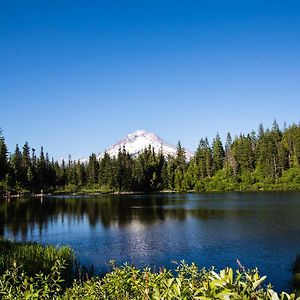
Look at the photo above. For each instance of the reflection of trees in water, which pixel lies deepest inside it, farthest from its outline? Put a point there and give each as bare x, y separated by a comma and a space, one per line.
22, 215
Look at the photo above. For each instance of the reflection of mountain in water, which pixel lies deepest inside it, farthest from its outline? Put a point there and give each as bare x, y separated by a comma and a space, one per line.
22, 215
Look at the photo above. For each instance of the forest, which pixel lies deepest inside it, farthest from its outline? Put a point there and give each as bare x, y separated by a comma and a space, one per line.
268, 159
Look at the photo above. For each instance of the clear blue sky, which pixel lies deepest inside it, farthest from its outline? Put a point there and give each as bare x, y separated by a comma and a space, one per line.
76, 76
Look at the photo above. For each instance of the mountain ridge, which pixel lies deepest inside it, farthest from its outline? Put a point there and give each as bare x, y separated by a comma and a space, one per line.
138, 140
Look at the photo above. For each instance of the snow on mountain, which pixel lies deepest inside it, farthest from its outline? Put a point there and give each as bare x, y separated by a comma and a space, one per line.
137, 141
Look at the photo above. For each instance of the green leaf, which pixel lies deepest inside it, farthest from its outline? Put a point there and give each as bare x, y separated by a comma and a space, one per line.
258, 282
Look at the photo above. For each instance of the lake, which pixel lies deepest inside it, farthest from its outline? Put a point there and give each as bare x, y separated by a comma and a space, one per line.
260, 229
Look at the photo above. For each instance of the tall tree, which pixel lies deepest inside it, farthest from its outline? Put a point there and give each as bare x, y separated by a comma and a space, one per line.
218, 154
243, 154
93, 169
180, 158
26, 166
4, 166
16, 164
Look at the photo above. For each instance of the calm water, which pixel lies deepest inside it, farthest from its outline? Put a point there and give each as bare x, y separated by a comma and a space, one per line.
259, 229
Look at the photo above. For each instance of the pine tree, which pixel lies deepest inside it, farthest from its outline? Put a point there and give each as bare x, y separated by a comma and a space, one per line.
228, 144
106, 173
16, 164
200, 158
230, 163
93, 169
171, 173
80, 173
4, 165
160, 162
178, 180
165, 176
266, 155
218, 154
243, 154
42, 170
26, 167
180, 159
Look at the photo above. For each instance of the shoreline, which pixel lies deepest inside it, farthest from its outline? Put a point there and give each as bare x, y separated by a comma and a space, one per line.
85, 193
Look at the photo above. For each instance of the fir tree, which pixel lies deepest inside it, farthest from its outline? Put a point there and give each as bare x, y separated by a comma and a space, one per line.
16, 165
218, 154
4, 165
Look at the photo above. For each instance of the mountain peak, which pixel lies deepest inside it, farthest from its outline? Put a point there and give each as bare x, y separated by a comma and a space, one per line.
139, 132
143, 134
138, 140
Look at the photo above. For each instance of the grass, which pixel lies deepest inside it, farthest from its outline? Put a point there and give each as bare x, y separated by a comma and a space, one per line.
33, 258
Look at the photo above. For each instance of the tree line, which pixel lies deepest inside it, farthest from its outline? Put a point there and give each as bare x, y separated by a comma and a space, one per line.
263, 160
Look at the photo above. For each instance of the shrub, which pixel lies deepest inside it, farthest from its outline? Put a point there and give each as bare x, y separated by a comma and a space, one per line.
127, 282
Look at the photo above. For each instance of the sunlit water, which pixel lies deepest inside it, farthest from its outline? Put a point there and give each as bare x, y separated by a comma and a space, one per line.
260, 229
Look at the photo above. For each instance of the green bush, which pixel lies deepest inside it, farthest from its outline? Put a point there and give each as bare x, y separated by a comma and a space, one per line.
128, 282
189, 282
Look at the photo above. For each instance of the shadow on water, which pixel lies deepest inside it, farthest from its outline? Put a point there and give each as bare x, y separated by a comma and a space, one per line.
20, 215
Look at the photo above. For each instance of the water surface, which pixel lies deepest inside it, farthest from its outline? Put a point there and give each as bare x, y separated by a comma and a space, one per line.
260, 229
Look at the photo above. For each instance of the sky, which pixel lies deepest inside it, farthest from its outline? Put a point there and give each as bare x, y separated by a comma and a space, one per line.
77, 76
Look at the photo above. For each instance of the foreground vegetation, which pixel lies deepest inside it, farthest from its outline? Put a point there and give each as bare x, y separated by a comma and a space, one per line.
31, 271
33, 258
264, 160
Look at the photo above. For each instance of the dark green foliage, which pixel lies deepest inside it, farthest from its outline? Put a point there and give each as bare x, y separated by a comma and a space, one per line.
4, 166
203, 159
16, 167
242, 151
123, 171
267, 160
218, 154
92, 170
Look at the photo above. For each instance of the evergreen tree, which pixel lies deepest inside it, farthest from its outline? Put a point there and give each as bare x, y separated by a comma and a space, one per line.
230, 165
61, 173
261, 131
243, 154
106, 172
27, 172
4, 165
124, 171
160, 162
16, 165
218, 154
200, 157
171, 167
178, 180
228, 143
180, 159
42, 170
80, 173
32, 174
92, 169
266, 155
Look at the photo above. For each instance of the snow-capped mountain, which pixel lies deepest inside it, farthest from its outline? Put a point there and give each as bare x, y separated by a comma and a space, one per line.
137, 141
